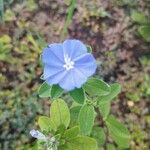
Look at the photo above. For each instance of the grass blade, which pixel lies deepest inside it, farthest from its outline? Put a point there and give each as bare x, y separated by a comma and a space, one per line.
69, 17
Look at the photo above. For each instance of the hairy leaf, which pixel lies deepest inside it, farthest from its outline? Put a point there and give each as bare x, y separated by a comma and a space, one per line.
118, 132
56, 91
145, 32
44, 123
59, 113
71, 133
115, 90
44, 90
139, 17
96, 87
104, 109
99, 134
74, 113
86, 119
82, 143
78, 95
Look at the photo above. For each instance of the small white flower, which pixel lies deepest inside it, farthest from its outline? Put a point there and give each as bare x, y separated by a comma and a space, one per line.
37, 134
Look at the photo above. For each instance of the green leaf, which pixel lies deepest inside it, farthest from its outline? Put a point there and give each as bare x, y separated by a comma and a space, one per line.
115, 90
99, 134
62, 147
104, 109
78, 95
56, 91
44, 90
44, 123
9, 15
82, 143
101, 148
139, 17
145, 32
118, 132
89, 48
5, 39
74, 113
70, 12
86, 119
110, 147
71, 133
59, 113
96, 87
60, 130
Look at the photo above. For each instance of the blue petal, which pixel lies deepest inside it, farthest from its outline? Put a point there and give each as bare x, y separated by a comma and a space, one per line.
49, 57
55, 79
86, 64
51, 70
74, 79
57, 49
79, 78
74, 48
67, 83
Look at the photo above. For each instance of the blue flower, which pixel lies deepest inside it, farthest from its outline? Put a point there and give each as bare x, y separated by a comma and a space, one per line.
67, 64
37, 134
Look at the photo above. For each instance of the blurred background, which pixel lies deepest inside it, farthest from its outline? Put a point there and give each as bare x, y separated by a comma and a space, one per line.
119, 34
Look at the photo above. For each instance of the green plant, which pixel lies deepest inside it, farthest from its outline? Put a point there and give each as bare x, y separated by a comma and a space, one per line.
5, 47
77, 127
144, 24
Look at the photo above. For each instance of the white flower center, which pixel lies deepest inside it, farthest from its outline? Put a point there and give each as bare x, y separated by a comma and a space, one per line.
69, 64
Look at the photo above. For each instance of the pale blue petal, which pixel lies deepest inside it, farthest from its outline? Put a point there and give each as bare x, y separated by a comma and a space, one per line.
86, 64
79, 78
57, 49
74, 48
37, 134
55, 79
48, 57
74, 79
51, 70
67, 82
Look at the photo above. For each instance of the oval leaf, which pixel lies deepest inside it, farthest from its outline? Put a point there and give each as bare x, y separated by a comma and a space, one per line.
104, 109
72, 132
86, 119
118, 132
115, 90
99, 134
59, 113
145, 32
74, 113
56, 91
44, 123
96, 87
82, 143
139, 17
78, 95
44, 90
